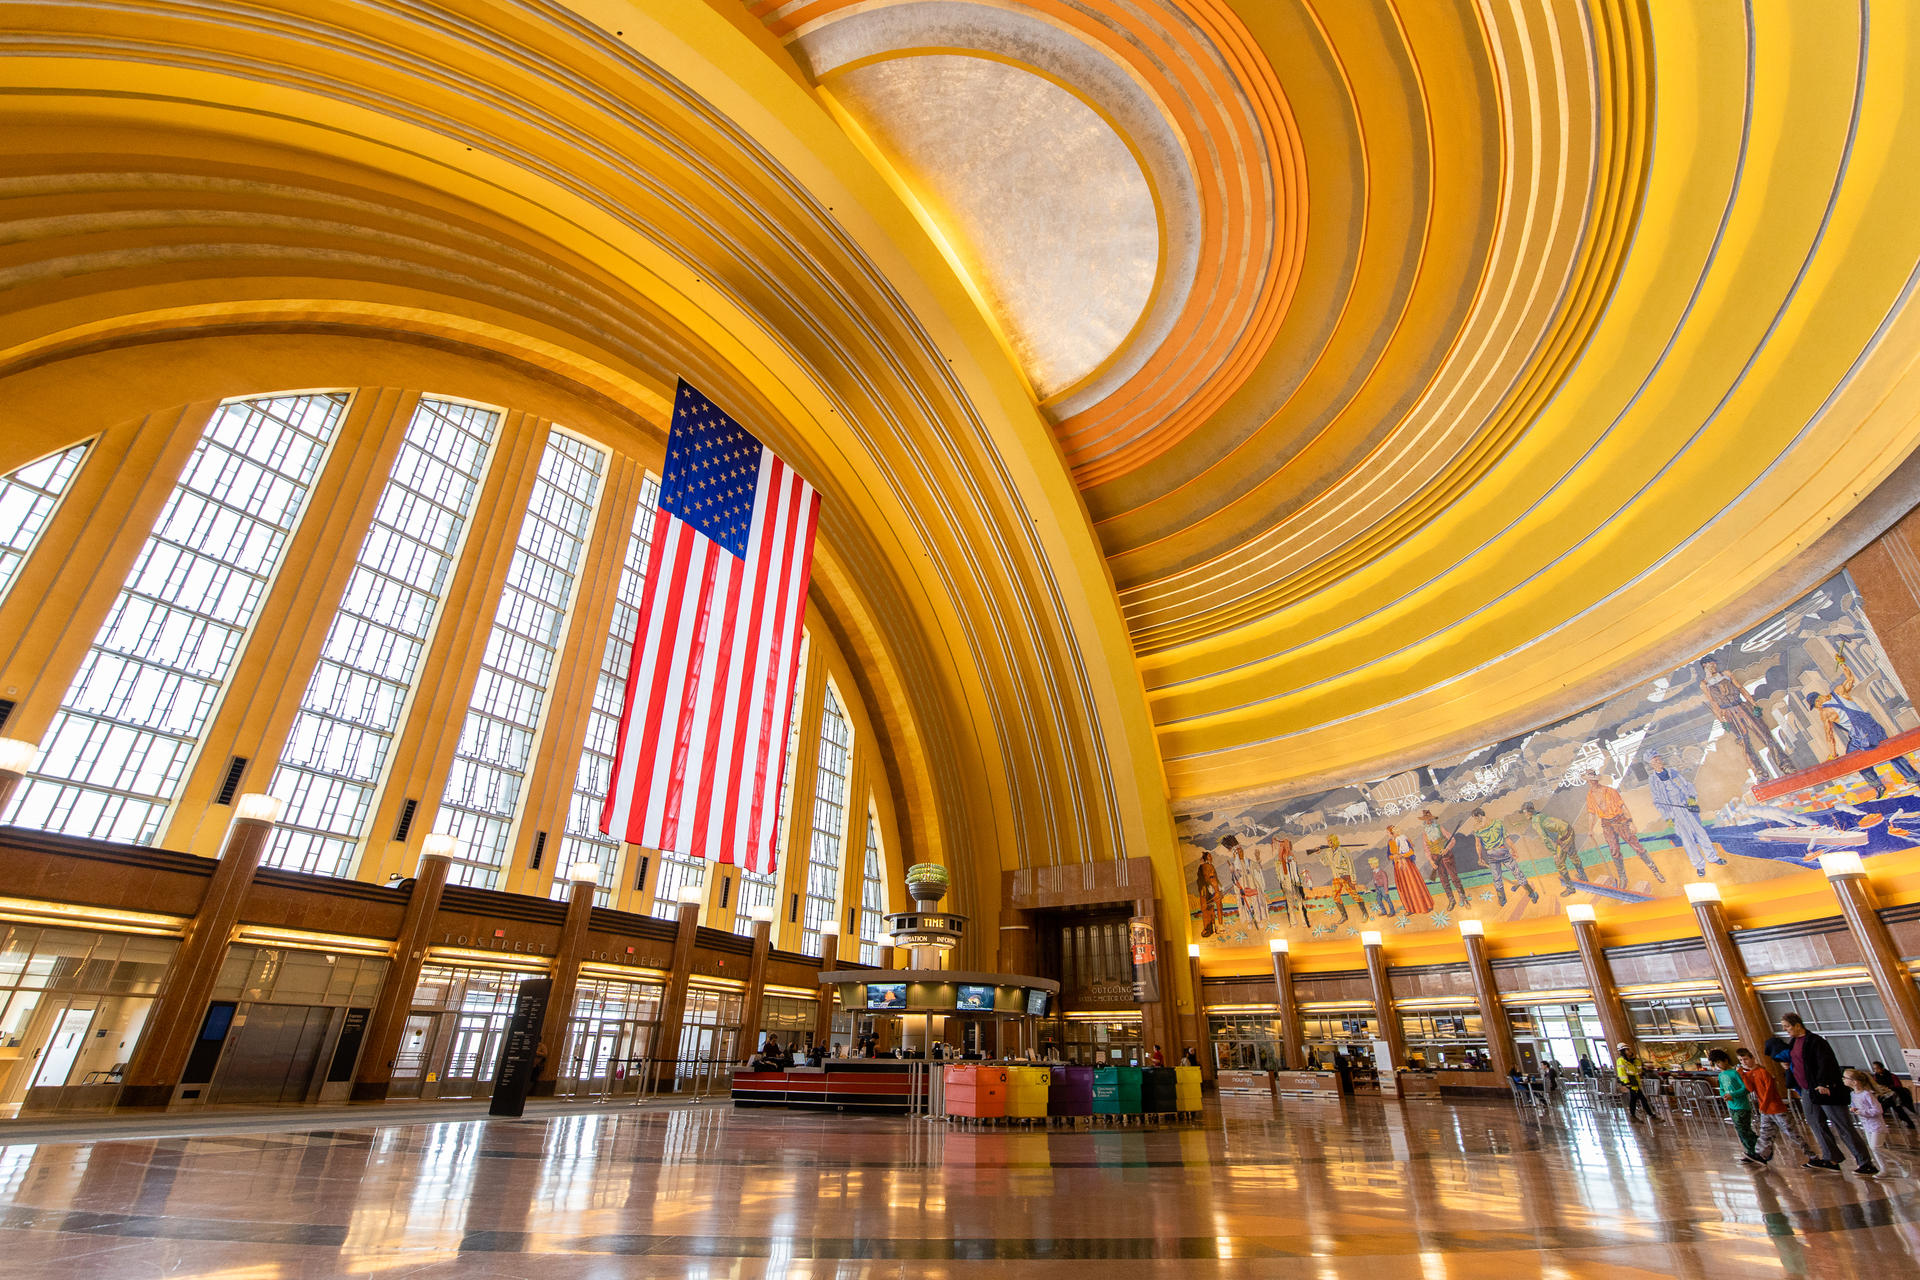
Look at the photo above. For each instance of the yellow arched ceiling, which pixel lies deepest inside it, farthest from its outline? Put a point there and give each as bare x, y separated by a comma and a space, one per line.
1597, 318
1492, 345
603, 198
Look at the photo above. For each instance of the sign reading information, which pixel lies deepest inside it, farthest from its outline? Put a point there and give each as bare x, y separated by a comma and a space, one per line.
518, 1053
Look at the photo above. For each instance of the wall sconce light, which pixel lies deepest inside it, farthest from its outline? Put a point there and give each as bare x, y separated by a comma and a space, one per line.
1837, 865
256, 807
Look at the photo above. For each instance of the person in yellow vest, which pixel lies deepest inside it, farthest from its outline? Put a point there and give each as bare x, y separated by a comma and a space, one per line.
1626, 1069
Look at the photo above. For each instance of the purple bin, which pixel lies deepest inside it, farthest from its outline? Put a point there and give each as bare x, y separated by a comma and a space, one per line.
1071, 1092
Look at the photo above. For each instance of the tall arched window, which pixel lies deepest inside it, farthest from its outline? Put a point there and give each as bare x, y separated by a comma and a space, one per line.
593, 776
829, 821
873, 895
119, 747
28, 496
336, 751
502, 727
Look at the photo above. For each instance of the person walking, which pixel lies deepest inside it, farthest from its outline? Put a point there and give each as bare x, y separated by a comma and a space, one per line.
1816, 1074
1626, 1069
1158, 1059
1771, 1114
1869, 1097
1739, 1100
1901, 1103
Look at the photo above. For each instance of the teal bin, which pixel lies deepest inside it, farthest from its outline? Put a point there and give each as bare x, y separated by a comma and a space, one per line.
1116, 1091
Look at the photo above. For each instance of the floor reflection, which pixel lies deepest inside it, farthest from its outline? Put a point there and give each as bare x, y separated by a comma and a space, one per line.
1474, 1190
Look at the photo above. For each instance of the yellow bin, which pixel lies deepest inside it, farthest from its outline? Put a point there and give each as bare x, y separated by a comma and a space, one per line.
1027, 1092
1186, 1089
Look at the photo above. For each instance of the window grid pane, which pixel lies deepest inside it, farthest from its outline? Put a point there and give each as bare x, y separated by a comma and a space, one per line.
503, 718
873, 897
677, 872
829, 823
28, 496
583, 841
119, 747
757, 888
337, 748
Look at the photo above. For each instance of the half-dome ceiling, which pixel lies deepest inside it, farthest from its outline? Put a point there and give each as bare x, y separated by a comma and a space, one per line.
1494, 307
1041, 205
950, 93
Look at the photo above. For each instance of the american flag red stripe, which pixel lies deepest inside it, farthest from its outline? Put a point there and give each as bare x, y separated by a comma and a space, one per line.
710, 692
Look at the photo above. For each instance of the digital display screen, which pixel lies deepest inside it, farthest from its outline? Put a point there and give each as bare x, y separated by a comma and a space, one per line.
972, 997
1037, 1002
886, 995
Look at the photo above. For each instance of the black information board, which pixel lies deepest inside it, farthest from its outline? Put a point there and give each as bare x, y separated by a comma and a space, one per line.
514, 1076
347, 1048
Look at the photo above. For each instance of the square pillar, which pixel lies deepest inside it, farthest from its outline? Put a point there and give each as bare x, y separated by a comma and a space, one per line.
1390, 1029
161, 1056
1493, 1014
1848, 877
1614, 1023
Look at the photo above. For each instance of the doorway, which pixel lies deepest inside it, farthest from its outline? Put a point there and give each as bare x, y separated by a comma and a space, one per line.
474, 1053
272, 1053
410, 1061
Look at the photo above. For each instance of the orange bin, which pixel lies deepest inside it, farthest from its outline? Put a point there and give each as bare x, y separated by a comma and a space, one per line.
977, 1092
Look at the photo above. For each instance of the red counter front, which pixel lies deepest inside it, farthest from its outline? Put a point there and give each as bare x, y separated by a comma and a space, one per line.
881, 1086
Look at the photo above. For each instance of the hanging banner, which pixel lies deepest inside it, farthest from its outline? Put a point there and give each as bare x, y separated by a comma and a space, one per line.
520, 1051
1146, 974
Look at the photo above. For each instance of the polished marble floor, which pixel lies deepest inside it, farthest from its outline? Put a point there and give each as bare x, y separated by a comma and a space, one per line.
1427, 1190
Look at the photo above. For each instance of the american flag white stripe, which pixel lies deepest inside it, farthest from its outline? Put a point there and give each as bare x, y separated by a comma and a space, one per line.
732, 823
722, 774
710, 691
774, 710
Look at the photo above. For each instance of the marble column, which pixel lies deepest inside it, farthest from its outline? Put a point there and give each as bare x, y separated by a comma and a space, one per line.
1848, 876
1201, 1038
1614, 1023
673, 1002
180, 1008
1493, 1014
1016, 941
1730, 967
374, 1077
566, 976
756, 994
1293, 1053
829, 957
1390, 1029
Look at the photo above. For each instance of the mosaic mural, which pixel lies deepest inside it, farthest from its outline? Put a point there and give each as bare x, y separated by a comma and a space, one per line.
1624, 802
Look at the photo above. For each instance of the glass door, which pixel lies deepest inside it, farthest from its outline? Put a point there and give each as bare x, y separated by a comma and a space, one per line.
410, 1061
473, 1054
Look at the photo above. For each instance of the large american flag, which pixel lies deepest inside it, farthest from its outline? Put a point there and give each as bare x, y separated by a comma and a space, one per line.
703, 736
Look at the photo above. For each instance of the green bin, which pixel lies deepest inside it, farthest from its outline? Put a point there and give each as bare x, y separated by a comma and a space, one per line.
1116, 1091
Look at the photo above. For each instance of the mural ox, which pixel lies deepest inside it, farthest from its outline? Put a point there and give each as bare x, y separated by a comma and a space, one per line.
1784, 743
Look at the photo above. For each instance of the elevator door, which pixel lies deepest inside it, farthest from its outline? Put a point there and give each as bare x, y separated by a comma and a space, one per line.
271, 1057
